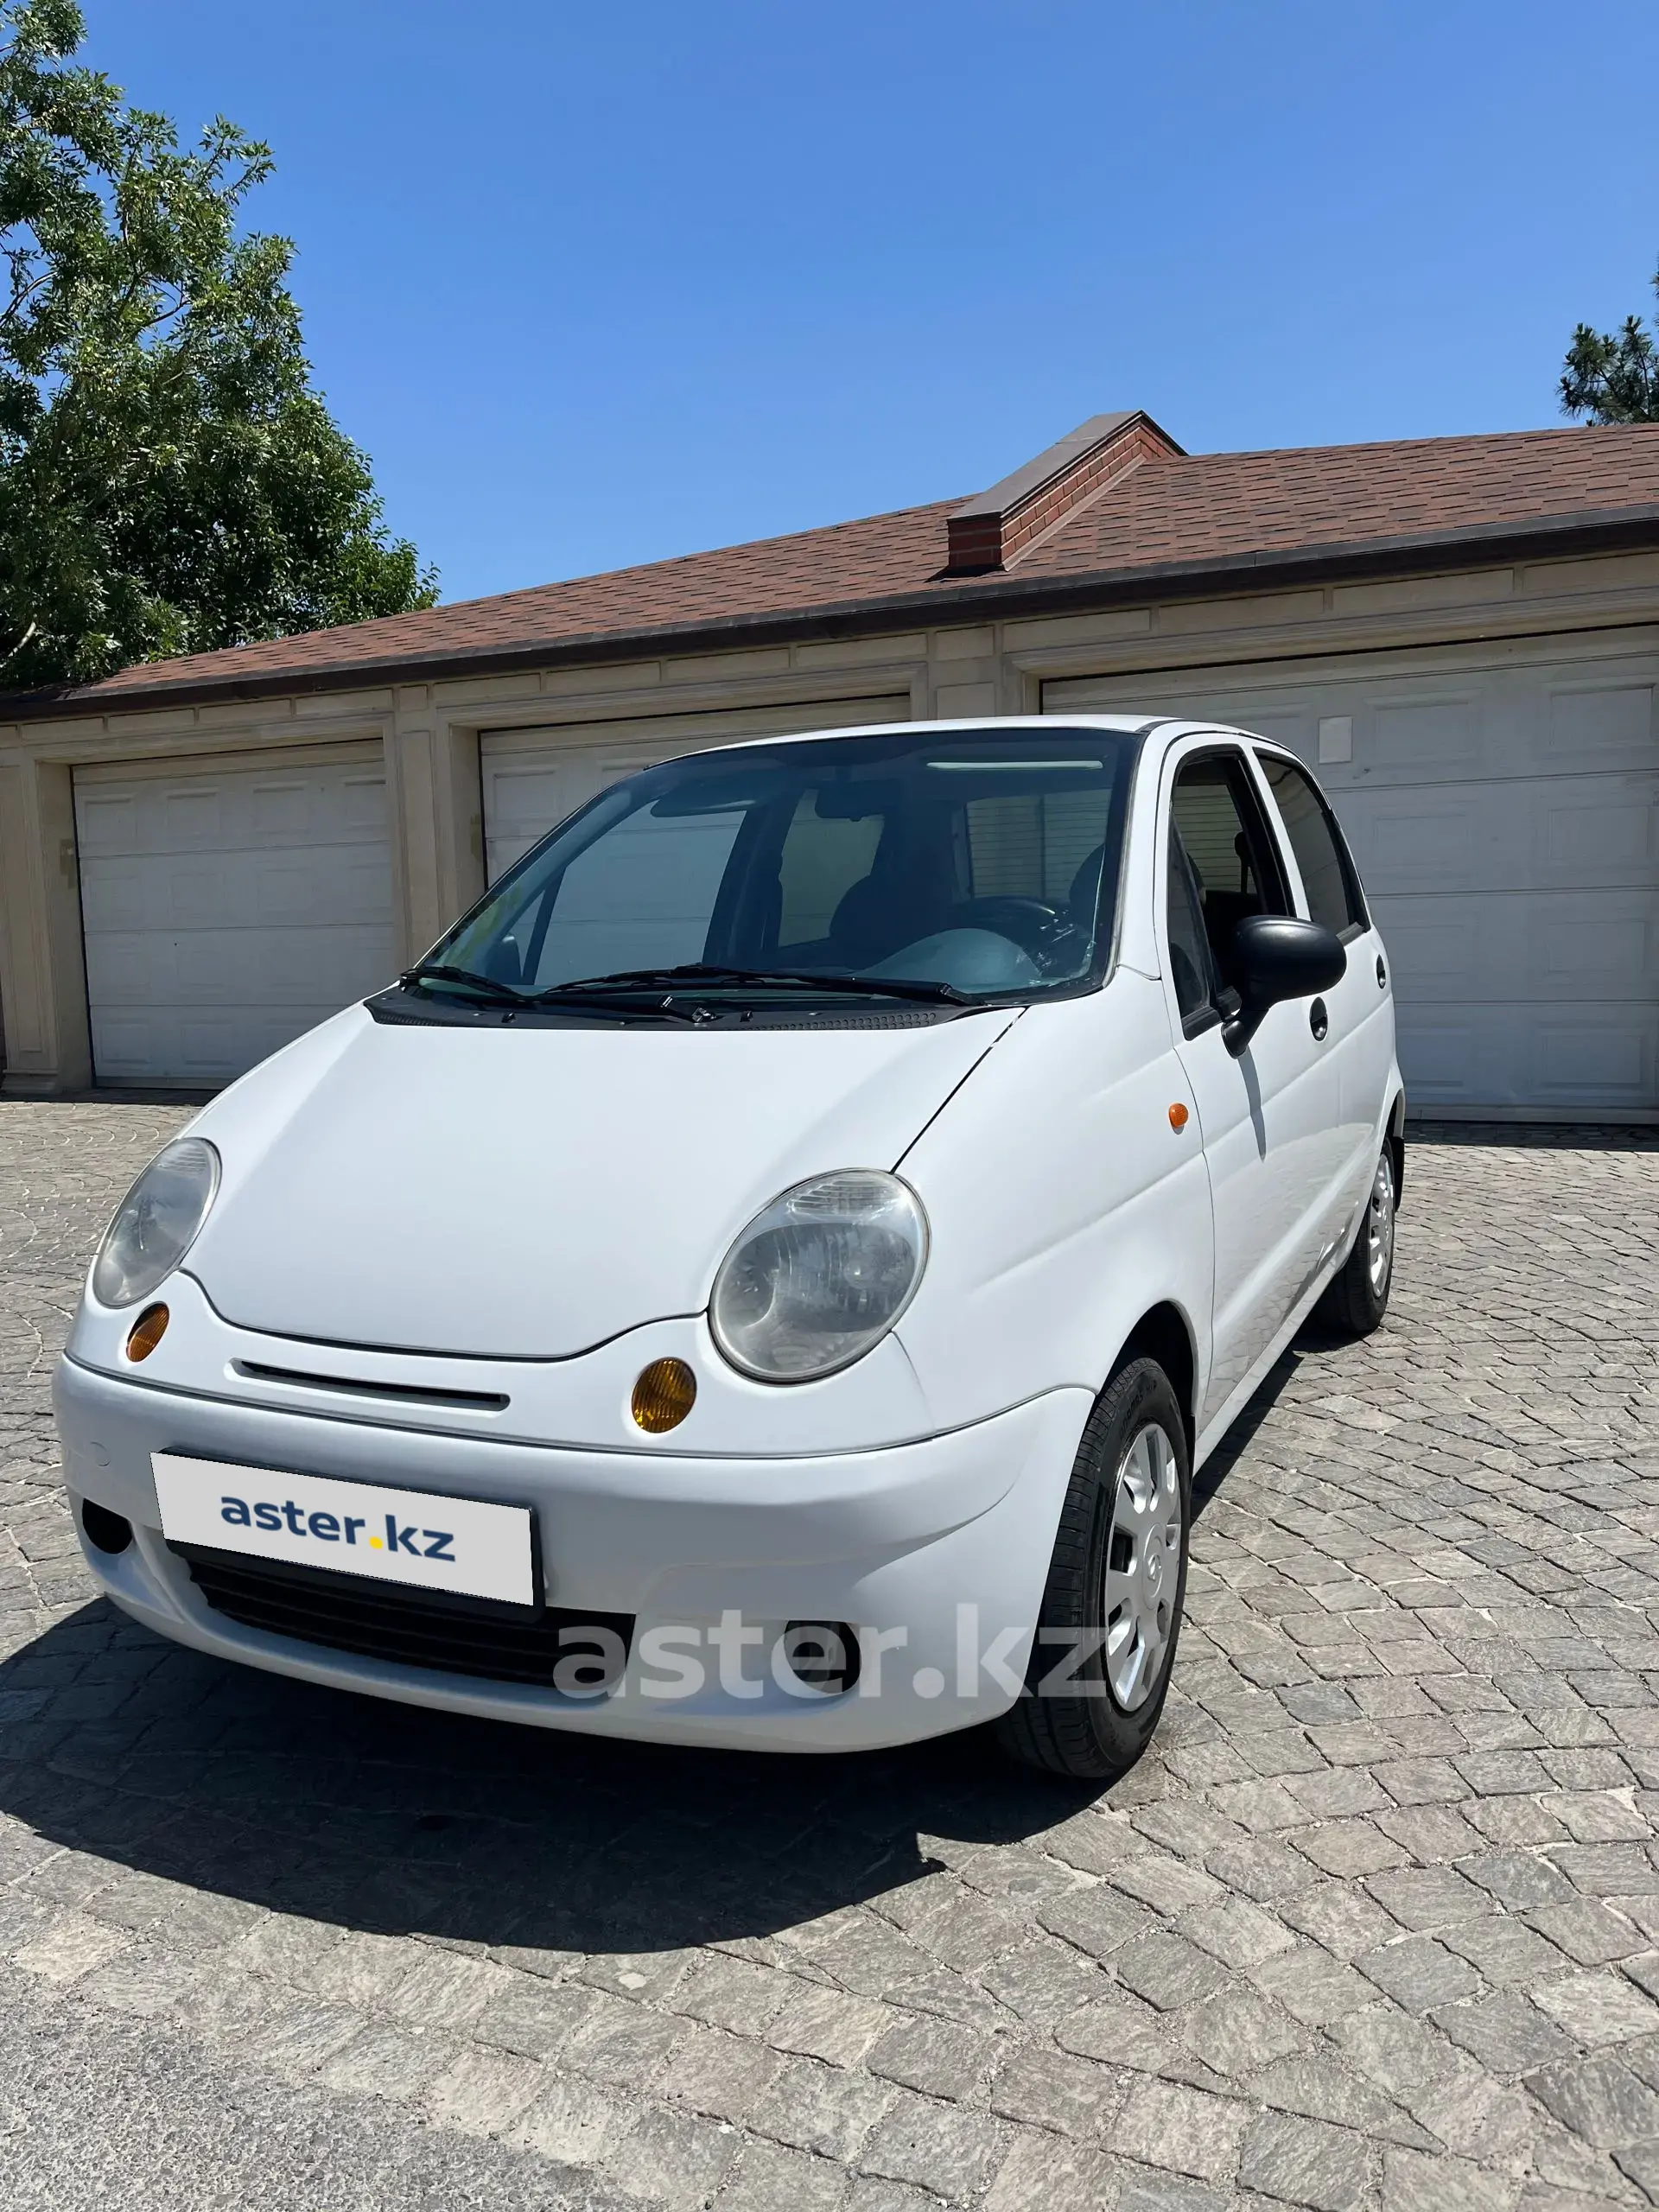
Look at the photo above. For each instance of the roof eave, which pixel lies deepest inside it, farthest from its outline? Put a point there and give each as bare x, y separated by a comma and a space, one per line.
1621, 529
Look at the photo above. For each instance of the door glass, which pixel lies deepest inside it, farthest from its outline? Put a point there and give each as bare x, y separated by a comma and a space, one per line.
1189, 954
1214, 812
1328, 873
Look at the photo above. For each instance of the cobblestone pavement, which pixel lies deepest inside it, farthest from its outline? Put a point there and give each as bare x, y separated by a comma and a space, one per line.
1376, 1924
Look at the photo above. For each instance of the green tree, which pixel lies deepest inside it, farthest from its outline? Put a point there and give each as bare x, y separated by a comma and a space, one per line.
169, 479
1612, 375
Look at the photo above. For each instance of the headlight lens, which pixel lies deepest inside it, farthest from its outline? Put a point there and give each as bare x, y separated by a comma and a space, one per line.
156, 1223
820, 1276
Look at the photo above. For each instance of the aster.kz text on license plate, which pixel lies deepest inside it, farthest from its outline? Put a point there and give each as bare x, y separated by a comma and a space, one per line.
460, 1544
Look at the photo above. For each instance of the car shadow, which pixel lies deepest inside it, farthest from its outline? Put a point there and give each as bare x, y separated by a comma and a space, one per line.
386, 1817
391, 1818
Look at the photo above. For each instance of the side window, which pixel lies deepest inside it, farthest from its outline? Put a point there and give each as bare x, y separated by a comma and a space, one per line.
1215, 814
1189, 954
1328, 873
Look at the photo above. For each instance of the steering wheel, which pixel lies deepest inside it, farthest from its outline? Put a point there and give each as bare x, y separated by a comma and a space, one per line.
1049, 936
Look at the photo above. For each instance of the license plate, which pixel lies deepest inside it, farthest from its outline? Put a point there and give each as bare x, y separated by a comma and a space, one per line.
459, 1544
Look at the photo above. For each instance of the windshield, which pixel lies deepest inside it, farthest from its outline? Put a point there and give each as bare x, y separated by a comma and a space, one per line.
984, 864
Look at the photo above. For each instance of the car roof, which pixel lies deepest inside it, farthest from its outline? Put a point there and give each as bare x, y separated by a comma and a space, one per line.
957, 725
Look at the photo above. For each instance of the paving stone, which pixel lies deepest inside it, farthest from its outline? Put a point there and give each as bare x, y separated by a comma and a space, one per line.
940, 2057
1416, 2182
675, 2157
536, 2019
483, 2092
1518, 1879
1181, 2131
1419, 1972
1306, 2162
624, 2045
1423, 1897
771, 2178
1239, 2030
1587, 1931
1343, 1920
721, 2075
1598, 2008
1318, 2088
818, 2107
1640, 2163
933, 2146
1167, 1883
1348, 1847
574, 2122
1098, 1921
1599, 2100
1167, 1971
69, 1945
1053, 2089
384, 2059
1042, 2175
829, 2025
1505, 2032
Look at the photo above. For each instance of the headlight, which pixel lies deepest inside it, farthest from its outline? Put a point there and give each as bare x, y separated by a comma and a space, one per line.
820, 1276
155, 1223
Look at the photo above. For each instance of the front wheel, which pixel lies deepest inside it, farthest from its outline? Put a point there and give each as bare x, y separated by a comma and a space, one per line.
1356, 1297
1100, 1665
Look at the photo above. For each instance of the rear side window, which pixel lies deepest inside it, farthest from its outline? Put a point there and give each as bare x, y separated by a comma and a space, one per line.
1328, 874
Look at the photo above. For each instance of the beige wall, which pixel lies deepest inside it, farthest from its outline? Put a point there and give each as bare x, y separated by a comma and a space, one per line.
430, 732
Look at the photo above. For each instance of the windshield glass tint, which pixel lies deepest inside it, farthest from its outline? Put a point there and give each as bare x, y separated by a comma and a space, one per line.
985, 862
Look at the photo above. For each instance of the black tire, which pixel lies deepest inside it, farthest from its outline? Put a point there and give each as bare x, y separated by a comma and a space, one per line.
1356, 1297
1089, 1732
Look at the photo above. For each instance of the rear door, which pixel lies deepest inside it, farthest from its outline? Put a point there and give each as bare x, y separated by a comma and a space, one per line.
1266, 1117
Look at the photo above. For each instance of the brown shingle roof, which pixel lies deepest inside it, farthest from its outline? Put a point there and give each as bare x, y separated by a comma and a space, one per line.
1186, 523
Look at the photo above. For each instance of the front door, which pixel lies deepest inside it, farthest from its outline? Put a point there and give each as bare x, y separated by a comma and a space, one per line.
1267, 1116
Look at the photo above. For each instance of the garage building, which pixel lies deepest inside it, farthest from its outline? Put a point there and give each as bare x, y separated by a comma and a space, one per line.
199, 858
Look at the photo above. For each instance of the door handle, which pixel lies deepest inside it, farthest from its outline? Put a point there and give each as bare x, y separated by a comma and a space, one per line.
1382, 974
1318, 1020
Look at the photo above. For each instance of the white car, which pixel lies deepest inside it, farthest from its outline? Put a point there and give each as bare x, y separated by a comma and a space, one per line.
767, 1278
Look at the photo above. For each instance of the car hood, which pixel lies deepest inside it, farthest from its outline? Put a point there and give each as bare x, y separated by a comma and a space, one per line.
529, 1193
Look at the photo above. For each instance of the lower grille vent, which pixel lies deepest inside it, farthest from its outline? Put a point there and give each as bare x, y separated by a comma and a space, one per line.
416, 1628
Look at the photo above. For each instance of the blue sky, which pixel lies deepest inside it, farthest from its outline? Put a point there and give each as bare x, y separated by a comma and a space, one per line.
599, 284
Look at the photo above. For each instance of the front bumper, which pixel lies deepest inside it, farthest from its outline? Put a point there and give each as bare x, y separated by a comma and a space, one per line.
936, 1551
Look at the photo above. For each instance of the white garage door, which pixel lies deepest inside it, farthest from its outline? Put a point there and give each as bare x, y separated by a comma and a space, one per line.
534, 778
229, 906
1505, 819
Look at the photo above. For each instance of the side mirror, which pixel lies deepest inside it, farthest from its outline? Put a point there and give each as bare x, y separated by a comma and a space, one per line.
1278, 957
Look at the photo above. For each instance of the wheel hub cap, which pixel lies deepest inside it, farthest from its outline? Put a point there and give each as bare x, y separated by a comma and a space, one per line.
1142, 1567
1379, 1228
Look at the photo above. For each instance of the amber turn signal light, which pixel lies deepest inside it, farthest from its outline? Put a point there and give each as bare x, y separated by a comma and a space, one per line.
147, 1332
1177, 1117
664, 1394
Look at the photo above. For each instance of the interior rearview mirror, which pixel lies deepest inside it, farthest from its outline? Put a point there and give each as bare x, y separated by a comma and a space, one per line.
1278, 957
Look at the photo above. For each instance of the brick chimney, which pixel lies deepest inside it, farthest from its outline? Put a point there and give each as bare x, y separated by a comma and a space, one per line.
991, 530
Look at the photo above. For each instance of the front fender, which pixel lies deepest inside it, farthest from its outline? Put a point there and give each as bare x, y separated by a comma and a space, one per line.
1063, 1205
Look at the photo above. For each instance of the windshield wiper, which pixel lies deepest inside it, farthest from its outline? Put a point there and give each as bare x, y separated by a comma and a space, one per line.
815, 979
492, 993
